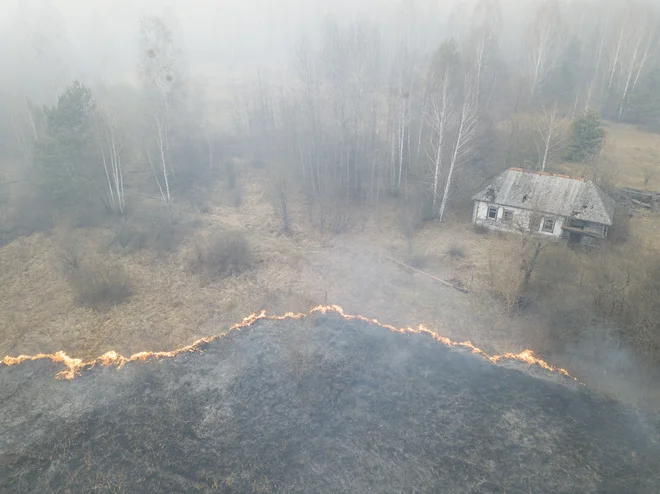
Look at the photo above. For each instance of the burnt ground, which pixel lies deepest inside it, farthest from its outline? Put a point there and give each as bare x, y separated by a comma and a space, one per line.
318, 405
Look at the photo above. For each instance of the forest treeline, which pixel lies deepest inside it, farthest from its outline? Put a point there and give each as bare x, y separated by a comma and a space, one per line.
363, 111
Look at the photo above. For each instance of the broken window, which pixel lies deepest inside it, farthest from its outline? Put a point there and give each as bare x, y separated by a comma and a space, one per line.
492, 213
508, 215
548, 225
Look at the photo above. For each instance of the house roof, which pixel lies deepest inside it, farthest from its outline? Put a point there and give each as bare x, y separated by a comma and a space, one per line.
550, 193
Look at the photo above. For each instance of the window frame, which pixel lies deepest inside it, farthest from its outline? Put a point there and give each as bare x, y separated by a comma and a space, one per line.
546, 220
511, 212
492, 208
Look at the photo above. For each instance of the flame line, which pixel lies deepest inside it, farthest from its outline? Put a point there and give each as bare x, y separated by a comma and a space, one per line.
74, 366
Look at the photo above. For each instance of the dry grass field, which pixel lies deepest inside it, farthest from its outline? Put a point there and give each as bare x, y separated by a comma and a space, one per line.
171, 307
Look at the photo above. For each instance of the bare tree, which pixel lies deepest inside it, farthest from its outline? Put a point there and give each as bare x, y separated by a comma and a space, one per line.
468, 131
161, 171
483, 44
544, 44
111, 148
598, 57
549, 129
163, 79
442, 106
641, 35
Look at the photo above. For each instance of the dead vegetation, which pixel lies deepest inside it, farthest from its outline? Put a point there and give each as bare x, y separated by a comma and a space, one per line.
97, 282
223, 255
100, 285
156, 232
571, 289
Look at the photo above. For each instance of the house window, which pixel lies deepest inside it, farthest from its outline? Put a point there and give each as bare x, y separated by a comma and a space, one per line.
492, 213
508, 216
548, 225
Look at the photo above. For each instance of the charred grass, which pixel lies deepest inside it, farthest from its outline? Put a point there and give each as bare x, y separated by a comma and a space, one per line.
320, 405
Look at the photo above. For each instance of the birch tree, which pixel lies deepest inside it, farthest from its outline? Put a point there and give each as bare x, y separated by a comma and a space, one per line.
443, 81
550, 131
467, 133
598, 57
163, 79
442, 109
111, 145
544, 39
309, 150
640, 40
483, 45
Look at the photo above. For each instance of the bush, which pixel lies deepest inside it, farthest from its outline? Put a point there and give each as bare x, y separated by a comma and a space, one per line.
100, 285
226, 254
619, 232
69, 256
480, 229
457, 252
156, 233
236, 195
417, 261
331, 216
22, 215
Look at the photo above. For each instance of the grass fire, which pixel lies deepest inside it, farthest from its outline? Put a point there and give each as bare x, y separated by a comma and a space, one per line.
75, 366
315, 402
351, 246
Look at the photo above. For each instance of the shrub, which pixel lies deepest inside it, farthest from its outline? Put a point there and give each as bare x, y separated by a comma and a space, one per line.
411, 219
417, 261
236, 195
225, 254
130, 237
480, 229
69, 256
331, 216
619, 232
100, 285
340, 220
22, 215
457, 252
157, 233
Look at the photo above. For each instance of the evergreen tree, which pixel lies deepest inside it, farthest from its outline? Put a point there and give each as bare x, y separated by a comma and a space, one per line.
65, 156
587, 138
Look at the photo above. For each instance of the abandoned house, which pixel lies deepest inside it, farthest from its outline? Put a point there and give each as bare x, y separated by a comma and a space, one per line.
555, 205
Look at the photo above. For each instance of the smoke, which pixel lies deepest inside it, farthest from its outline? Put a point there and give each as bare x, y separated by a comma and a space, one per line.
600, 359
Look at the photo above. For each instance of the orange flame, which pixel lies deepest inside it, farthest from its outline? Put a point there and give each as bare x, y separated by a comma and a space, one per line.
74, 367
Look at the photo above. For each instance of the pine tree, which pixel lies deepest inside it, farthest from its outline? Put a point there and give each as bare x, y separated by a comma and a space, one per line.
587, 138
65, 157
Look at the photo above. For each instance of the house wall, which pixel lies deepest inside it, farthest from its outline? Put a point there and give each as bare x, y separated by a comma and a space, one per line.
521, 219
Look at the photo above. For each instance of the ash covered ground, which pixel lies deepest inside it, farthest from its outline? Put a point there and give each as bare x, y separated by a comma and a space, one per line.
319, 404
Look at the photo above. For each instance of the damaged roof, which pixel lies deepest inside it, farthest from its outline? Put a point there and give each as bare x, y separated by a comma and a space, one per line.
550, 193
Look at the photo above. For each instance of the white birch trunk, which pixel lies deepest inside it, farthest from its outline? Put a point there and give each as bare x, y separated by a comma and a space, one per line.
441, 117
467, 132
